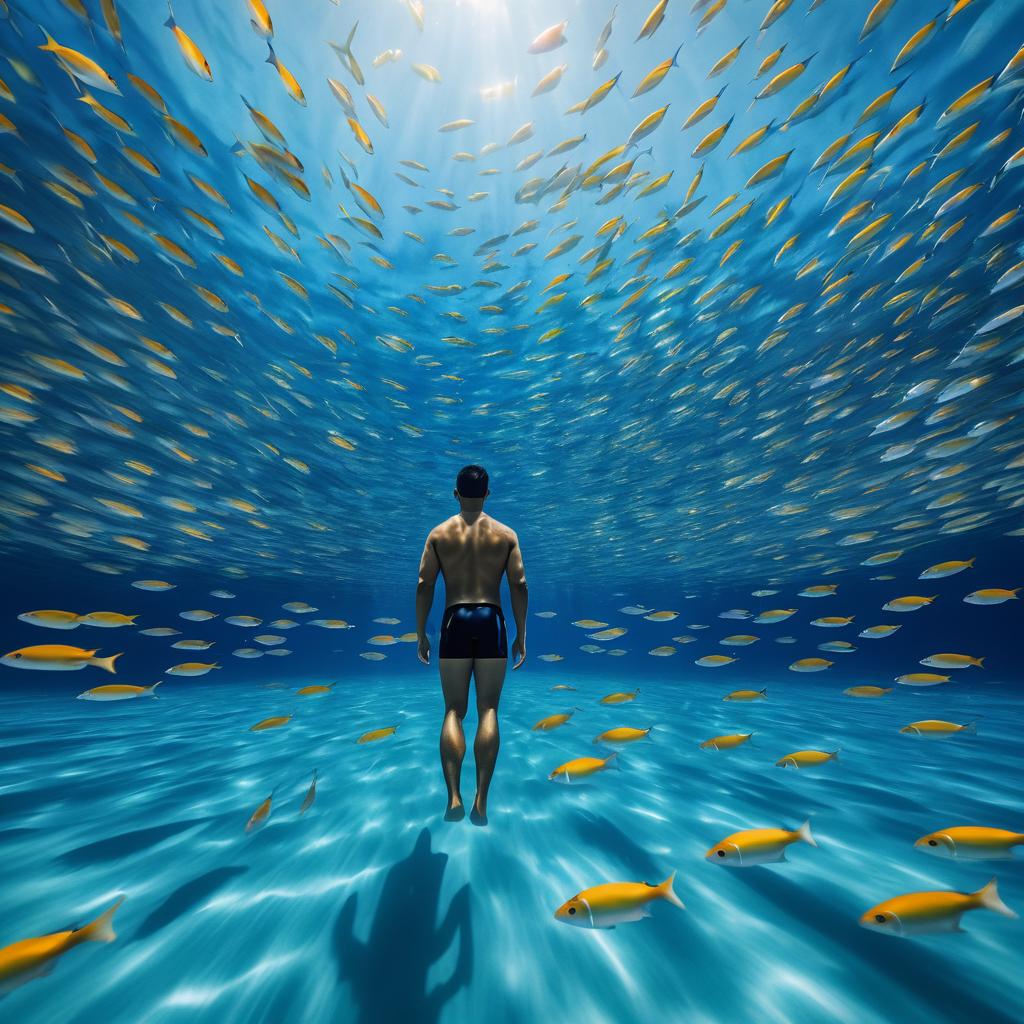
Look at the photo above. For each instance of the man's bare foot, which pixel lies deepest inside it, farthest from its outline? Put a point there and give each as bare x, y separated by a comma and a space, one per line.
456, 811
478, 816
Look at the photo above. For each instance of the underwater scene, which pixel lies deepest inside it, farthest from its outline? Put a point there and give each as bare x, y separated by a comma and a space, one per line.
511, 510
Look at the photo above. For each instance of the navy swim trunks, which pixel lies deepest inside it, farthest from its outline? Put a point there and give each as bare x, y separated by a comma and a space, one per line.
473, 631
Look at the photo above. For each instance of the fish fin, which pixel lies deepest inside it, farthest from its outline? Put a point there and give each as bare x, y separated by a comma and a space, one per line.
107, 664
271, 57
675, 63
980, 662
347, 48
667, 893
764, 693
804, 833
614, 756
152, 689
102, 929
170, 22
988, 897
835, 754
51, 43
971, 728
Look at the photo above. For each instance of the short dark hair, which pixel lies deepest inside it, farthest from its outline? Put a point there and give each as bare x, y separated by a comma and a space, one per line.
472, 482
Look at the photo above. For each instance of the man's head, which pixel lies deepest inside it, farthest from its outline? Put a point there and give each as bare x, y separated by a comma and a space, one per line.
471, 484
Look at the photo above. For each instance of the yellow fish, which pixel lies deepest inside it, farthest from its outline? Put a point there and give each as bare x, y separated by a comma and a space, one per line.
23, 961
908, 604
193, 55
726, 742
51, 619
291, 83
937, 572
614, 903
271, 723
377, 734
971, 842
622, 735
117, 692
936, 729
926, 913
581, 767
192, 668
107, 620
951, 661
922, 679
309, 691
807, 758
993, 595
79, 66
742, 695
714, 661
552, 722
867, 691
57, 658
261, 814
619, 698
810, 665
758, 846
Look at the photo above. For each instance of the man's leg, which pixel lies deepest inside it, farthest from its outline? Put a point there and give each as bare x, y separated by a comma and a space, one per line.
489, 674
455, 675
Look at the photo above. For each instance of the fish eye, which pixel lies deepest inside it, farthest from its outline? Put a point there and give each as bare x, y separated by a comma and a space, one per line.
572, 910
17, 655
721, 853
880, 918
931, 842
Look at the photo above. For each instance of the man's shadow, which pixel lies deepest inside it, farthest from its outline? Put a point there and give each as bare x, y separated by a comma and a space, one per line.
388, 973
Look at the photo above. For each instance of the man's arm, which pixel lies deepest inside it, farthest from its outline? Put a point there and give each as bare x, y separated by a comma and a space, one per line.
519, 592
429, 568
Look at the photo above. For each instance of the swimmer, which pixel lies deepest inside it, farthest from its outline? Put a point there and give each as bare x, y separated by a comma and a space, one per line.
471, 551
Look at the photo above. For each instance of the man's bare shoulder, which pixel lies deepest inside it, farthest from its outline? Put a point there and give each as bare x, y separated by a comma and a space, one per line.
443, 530
503, 531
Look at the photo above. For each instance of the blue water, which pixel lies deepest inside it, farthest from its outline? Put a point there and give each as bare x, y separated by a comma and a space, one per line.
682, 436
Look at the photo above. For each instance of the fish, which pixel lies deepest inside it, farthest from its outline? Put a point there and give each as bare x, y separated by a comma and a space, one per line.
729, 742
119, 692
28, 959
807, 758
747, 695
992, 595
191, 53
582, 767
261, 815
810, 665
552, 722
922, 679
307, 800
948, 661
377, 734
550, 39
929, 913
752, 847
80, 67
191, 668
971, 842
51, 619
274, 722
714, 661
623, 734
867, 691
57, 658
619, 698
933, 729
614, 903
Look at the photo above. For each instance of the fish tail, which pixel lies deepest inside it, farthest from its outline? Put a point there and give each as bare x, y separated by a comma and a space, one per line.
151, 690
835, 754
971, 728
613, 756
107, 664
668, 894
271, 57
988, 897
980, 662
170, 22
764, 693
51, 43
804, 833
675, 62
347, 48
102, 929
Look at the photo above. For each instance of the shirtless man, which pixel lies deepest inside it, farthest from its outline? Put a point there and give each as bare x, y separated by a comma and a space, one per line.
472, 551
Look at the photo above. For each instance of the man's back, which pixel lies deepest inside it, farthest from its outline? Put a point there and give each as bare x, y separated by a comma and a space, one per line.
472, 558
